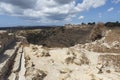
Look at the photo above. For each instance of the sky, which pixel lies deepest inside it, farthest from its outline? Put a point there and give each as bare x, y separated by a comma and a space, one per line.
57, 12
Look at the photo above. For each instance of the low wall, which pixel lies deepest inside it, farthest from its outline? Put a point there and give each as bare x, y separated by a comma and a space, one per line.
6, 39
6, 65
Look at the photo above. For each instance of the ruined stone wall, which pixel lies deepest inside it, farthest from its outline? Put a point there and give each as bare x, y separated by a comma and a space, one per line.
68, 26
5, 40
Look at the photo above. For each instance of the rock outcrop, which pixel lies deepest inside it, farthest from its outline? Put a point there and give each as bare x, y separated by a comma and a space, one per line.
96, 60
6, 39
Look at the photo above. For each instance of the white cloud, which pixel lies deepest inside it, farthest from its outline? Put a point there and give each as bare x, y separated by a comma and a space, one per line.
110, 9
47, 10
87, 4
81, 17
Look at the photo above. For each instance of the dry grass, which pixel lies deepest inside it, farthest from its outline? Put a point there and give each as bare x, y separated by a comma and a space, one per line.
97, 32
60, 37
113, 35
103, 49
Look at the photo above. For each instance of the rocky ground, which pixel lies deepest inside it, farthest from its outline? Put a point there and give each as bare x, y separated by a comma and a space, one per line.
97, 60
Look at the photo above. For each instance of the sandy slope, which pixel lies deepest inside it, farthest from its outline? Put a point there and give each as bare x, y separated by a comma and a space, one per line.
98, 60
72, 63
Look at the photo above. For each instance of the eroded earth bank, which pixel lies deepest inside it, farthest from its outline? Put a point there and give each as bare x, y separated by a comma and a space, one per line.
94, 60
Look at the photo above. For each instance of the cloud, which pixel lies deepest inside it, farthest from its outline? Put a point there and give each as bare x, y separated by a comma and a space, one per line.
87, 4
110, 9
81, 17
116, 1
47, 10
63, 1
21, 3
9, 9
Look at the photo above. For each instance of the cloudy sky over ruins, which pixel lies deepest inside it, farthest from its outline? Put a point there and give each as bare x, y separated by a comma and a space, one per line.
53, 12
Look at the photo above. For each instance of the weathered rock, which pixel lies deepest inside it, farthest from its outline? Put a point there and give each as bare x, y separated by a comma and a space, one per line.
8, 61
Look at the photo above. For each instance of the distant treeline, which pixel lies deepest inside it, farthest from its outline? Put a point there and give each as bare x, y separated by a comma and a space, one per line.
112, 24
107, 24
27, 27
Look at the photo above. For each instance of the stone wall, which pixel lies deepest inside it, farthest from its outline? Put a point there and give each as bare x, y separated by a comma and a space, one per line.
68, 26
5, 40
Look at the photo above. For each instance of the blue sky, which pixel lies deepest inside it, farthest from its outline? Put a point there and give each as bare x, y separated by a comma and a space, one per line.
57, 12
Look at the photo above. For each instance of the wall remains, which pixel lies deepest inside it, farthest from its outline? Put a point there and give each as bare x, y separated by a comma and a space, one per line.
6, 39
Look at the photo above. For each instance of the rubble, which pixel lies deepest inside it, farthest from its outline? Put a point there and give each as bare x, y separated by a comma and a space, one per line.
97, 60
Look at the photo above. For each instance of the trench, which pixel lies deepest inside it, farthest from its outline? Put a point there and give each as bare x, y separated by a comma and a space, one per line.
22, 68
18, 68
8, 61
